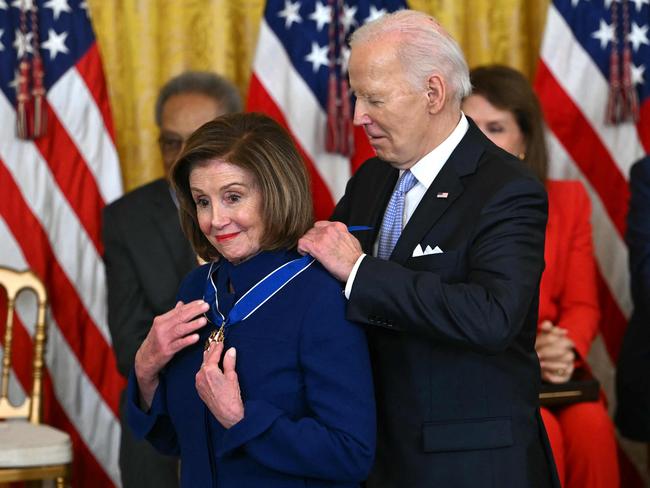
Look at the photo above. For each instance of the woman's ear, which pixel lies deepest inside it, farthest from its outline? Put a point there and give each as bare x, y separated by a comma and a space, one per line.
436, 93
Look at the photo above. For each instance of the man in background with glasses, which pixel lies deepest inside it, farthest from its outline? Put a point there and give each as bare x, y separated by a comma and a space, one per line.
147, 255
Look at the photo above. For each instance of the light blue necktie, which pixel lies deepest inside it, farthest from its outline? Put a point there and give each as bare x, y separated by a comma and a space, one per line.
391, 227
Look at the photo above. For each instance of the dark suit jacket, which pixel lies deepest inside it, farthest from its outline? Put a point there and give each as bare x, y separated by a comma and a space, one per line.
632, 380
452, 335
146, 257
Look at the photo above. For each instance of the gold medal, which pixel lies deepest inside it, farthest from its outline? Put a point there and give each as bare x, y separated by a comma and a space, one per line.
215, 336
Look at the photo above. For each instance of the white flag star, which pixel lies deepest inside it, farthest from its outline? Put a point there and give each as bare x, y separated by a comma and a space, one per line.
348, 17
23, 4
322, 15
375, 14
23, 44
638, 35
608, 3
291, 13
55, 43
318, 56
640, 3
84, 5
14, 83
3, 5
637, 74
604, 34
344, 59
2, 47
57, 7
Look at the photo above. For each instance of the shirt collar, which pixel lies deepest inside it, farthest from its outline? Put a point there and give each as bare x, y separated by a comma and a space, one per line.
427, 168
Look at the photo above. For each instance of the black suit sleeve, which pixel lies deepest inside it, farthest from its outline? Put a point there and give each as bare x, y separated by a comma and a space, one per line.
478, 298
638, 231
129, 315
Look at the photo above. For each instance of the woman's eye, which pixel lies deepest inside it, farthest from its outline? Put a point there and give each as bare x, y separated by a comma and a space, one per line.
202, 202
233, 197
495, 129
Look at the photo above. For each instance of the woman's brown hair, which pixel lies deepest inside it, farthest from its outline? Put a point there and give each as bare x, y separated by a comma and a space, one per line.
508, 89
260, 146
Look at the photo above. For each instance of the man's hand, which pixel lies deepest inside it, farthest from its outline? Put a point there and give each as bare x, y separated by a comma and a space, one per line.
219, 389
333, 246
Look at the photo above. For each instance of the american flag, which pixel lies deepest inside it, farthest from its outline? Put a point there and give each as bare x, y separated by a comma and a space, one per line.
52, 190
573, 83
575, 78
298, 48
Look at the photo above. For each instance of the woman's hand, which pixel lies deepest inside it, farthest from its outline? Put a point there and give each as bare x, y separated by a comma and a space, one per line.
219, 389
170, 332
555, 352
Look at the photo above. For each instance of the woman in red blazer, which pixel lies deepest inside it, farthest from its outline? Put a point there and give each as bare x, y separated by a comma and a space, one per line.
582, 435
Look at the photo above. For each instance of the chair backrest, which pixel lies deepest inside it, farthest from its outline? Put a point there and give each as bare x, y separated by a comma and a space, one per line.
13, 283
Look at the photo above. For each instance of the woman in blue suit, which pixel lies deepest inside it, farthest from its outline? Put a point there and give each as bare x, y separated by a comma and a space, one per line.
290, 402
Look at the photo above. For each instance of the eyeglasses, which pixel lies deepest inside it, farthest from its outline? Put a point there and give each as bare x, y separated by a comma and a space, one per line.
170, 145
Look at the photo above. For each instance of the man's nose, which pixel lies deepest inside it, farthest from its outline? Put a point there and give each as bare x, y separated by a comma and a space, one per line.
360, 114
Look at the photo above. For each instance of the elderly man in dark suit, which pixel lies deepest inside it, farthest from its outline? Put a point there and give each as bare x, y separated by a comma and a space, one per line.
147, 255
447, 278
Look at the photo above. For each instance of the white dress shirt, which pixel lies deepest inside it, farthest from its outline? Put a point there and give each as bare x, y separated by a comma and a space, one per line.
425, 171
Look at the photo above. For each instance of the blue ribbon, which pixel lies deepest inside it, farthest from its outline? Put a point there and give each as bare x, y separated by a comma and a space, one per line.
261, 292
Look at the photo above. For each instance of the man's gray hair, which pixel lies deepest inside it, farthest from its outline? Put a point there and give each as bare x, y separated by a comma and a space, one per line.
424, 48
206, 83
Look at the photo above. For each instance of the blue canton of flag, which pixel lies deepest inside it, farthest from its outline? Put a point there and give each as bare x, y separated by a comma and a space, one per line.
602, 26
303, 29
59, 49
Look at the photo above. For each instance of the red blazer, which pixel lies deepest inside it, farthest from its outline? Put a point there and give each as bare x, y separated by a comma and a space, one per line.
568, 293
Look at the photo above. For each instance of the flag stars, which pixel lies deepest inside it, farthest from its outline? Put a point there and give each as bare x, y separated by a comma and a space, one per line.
57, 7
638, 35
344, 59
348, 19
637, 74
23, 43
318, 56
375, 14
3, 5
55, 43
322, 15
291, 13
605, 34
608, 3
2, 47
25, 5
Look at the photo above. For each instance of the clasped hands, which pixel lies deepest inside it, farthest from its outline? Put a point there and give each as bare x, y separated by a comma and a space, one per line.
555, 352
174, 331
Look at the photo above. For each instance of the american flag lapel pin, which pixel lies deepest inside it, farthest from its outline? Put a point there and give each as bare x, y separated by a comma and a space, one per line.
442, 194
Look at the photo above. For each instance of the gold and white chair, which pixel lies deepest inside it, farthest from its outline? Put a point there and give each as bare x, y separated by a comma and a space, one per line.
29, 450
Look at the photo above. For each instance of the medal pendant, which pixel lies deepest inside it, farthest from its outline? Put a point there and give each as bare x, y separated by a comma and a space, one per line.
216, 336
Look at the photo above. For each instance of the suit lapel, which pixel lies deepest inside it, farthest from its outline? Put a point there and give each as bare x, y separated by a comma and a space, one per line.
462, 161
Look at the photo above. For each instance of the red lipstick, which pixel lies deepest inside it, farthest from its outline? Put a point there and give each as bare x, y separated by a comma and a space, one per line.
224, 237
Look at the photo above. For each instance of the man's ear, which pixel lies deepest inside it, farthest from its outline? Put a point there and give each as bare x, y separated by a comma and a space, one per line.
436, 93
